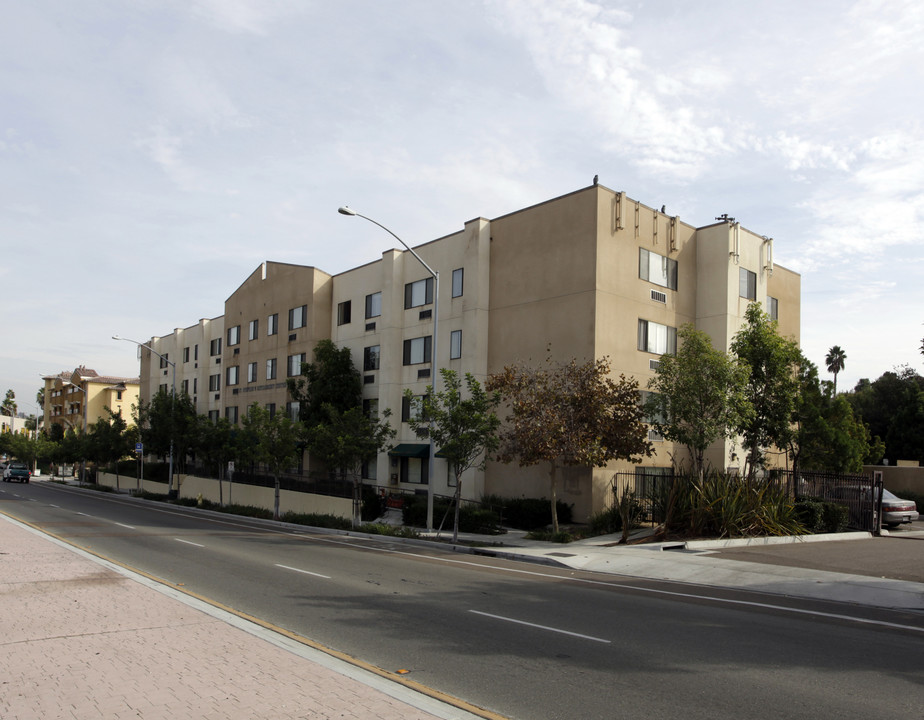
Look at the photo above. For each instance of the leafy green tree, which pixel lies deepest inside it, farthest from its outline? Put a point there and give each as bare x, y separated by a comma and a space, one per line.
834, 361
215, 446
892, 406
331, 379
826, 435
697, 396
569, 415
345, 440
109, 440
772, 384
277, 443
9, 407
168, 418
465, 429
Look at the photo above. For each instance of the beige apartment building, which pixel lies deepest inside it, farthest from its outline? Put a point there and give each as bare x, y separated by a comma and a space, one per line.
77, 399
589, 274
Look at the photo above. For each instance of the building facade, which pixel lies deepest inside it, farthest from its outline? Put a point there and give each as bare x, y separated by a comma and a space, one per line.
586, 275
77, 399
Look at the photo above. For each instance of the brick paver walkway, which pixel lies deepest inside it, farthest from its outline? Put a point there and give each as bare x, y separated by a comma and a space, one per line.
78, 640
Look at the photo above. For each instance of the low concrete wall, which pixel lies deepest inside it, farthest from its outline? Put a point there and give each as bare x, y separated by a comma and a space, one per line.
227, 493
897, 478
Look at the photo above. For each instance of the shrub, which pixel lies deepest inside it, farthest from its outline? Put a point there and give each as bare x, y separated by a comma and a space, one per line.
480, 520
834, 517
391, 530
809, 512
529, 513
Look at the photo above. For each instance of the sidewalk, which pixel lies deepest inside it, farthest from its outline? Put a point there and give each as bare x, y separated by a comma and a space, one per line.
80, 638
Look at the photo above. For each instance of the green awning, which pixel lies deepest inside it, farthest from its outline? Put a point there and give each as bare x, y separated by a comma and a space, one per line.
414, 450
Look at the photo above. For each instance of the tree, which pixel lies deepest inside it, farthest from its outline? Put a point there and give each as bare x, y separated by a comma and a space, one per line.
835, 362
569, 415
9, 407
167, 418
109, 440
826, 434
893, 408
215, 446
772, 384
330, 380
465, 429
346, 440
277, 443
697, 396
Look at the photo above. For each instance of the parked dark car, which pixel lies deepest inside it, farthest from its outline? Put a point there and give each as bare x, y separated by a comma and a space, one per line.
17, 471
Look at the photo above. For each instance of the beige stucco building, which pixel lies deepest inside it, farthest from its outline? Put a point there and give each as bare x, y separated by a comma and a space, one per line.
77, 399
589, 274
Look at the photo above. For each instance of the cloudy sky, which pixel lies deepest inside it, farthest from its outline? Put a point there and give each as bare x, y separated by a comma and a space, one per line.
154, 152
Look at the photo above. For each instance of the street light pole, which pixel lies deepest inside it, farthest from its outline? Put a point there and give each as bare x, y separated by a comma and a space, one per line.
172, 395
435, 357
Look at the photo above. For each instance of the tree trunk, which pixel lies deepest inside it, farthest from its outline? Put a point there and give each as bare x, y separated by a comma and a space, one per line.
276, 498
357, 503
553, 491
455, 522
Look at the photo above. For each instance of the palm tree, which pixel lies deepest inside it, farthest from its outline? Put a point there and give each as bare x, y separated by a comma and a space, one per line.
835, 362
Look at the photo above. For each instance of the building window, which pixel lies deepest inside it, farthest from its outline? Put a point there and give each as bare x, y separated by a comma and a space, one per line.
371, 408
214, 383
656, 338
196, 353
373, 305
455, 344
773, 308
234, 335
184, 388
457, 282
215, 347
272, 324
747, 284
344, 312
163, 360
369, 470
185, 354
292, 409
294, 364
234, 375
418, 293
297, 317
231, 414
271, 369
417, 351
657, 269
415, 470
253, 330
213, 416
195, 385
251, 372
371, 357
410, 407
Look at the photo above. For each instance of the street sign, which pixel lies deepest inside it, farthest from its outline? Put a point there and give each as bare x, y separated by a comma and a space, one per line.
139, 447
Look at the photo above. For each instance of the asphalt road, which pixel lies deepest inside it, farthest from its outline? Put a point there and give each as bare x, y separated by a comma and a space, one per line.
526, 641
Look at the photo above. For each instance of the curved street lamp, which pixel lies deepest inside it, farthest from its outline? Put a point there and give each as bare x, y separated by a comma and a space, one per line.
172, 395
433, 363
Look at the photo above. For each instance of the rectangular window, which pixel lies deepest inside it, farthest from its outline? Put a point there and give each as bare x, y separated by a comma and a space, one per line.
185, 354
417, 351
271, 409
253, 330
271, 369
297, 317
455, 344
272, 324
373, 305
410, 407
163, 360
656, 338
184, 388
251, 372
371, 357
773, 308
234, 335
344, 312
196, 353
657, 269
233, 375
195, 386
369, 470
747, 284
213, 416
214, 383
418, 293
457, 275
215, 347
294, 364
231, 414
292, 409
371, 408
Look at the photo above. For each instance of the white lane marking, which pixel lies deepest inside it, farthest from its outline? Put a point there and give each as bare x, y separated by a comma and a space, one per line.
306, 572
541, 627
130, 527
84, 514
188, 542
54, 506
